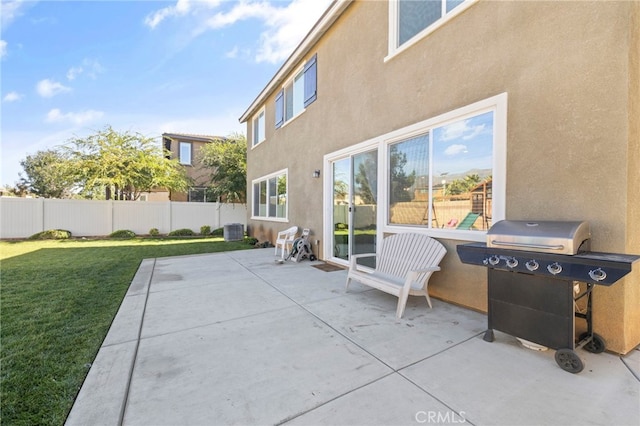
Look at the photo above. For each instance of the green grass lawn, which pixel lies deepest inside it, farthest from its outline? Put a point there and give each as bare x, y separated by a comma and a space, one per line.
57, 301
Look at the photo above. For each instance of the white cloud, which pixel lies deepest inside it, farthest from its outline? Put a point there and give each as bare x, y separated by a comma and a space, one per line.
74, 72
181, 8
455, 149
475, 131
285, 25
12, 9
3, 48
286, 29
12, 97
461, 129
49, 88
89, 67
77, 118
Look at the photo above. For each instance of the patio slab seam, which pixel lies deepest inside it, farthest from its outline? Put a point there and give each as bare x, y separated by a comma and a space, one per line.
230, 320
125, 398
329, 401
319, 318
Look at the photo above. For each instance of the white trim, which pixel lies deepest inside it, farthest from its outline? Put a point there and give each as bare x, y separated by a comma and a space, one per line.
291, 81
266, 178
393, 47
255, 117
180, 159
497, 104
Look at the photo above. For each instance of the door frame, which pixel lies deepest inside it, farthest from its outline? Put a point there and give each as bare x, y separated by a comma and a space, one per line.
327, 216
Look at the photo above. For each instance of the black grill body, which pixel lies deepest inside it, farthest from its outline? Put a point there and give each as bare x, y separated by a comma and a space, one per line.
531, 295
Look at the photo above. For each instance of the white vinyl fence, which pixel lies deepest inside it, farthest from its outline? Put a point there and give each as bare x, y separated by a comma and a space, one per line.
23, 217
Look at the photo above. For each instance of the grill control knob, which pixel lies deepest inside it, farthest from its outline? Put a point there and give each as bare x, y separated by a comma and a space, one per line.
555, 268
532, 265
494, 260
512, 262
598, 274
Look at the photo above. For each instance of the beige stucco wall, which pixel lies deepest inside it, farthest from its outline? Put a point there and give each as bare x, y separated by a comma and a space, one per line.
571, 73
200, 176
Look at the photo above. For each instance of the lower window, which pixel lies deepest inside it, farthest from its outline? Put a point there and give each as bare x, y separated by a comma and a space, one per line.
201, 195
270, 196
441, 176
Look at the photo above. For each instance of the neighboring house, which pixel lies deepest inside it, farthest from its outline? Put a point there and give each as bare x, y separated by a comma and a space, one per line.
383, 102
186, 148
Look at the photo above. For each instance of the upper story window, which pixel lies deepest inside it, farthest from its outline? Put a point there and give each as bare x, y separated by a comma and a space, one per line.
185, 153
258, 128
297, 94
410, 20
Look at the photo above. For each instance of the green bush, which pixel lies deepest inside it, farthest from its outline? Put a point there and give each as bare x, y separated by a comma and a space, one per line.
251, 241
52, 234
154, 232
205, 230
185, 232
219, 232
122, 233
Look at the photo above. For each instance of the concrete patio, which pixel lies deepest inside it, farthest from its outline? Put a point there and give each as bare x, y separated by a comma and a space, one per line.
234, 338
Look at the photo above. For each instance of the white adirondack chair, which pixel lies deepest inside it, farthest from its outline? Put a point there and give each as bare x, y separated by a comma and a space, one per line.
404, 265
284, 240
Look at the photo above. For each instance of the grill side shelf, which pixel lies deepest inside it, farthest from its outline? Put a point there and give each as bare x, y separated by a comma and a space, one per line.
593, 267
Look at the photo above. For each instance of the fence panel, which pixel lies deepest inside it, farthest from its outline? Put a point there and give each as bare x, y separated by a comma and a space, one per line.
141, 217
20, 217
83, 218
232, 213
23, 217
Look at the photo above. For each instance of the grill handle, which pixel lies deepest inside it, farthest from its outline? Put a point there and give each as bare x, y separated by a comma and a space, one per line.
525, 245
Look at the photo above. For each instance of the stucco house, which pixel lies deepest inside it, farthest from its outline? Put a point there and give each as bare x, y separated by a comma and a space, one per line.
387, 104
186, 148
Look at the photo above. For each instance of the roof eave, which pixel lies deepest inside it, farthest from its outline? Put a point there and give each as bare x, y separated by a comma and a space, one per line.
325, 22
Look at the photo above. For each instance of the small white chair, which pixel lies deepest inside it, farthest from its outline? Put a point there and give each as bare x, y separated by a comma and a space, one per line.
285, 240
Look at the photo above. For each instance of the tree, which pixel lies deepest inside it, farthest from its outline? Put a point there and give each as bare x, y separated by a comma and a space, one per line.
227, 158
47, 175
365, 178
400, 182
460, 186
122, 165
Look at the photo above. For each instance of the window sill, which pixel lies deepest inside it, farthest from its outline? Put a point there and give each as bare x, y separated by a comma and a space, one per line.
258, 144
441, 233
270, 219
286, 123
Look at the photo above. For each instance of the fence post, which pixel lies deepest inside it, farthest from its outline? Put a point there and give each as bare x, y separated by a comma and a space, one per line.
42, 212
111, 216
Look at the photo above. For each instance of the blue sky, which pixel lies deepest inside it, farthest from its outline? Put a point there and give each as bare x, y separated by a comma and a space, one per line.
70, 68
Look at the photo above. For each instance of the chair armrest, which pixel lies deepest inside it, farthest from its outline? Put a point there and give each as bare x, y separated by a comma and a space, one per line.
352, 260
361, 255
412, 275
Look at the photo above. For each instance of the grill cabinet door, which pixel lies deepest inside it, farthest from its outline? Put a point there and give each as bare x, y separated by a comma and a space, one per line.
535, 308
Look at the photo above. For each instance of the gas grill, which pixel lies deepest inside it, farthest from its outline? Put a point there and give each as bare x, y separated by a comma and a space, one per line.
534, 273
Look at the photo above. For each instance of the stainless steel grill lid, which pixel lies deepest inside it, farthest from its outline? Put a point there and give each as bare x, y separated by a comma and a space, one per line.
539, 236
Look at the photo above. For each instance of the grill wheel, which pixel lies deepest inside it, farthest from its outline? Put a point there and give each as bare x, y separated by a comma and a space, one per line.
569, 361
595, 346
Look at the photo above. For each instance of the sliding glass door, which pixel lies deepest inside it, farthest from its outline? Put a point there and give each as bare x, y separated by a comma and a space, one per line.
355, 193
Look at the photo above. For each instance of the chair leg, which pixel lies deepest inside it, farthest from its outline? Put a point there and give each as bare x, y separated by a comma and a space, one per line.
426, 294
402, 303
346, 288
